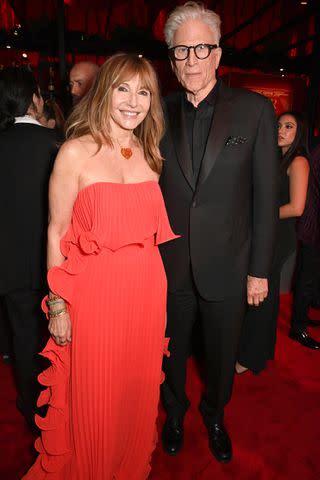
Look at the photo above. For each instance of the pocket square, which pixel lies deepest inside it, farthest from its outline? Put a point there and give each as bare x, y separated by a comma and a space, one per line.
232, 141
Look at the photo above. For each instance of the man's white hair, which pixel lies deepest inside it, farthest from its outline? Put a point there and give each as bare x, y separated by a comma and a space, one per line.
191, 11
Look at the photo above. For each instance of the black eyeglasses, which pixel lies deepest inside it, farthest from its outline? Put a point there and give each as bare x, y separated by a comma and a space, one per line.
201, 51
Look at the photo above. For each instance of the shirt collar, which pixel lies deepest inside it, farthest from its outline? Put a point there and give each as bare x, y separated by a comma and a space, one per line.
27, 119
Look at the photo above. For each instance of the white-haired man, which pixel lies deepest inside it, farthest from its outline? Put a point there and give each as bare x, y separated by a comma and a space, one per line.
219, 183
81, 77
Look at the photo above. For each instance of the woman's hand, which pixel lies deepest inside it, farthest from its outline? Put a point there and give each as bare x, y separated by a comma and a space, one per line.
60, 329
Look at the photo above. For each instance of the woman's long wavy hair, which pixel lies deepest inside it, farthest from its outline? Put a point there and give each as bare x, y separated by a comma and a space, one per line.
92, 114
299, 146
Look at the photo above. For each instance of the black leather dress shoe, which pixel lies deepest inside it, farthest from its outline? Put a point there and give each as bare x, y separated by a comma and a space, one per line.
313, 323
219, 442
305, 340
172, 435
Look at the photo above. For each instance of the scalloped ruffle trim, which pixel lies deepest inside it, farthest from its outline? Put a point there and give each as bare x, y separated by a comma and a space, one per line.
54, 444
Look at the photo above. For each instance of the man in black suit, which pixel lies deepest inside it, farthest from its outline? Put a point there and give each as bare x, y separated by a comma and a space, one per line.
27, 153
219, 183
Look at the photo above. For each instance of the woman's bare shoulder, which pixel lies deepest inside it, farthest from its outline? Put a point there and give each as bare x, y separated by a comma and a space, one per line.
299, 166
75, 151
299, 163
81, 145
300, 159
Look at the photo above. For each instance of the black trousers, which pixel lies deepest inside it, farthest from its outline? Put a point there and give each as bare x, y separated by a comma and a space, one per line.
221, 326
28, 326
306, 285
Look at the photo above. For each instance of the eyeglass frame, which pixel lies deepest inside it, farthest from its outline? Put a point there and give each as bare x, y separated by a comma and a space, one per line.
209, 45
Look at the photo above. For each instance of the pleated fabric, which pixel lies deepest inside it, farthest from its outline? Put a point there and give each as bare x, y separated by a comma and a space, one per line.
102, 390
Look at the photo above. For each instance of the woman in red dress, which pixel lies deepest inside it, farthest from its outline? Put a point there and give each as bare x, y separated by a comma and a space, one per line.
107, 299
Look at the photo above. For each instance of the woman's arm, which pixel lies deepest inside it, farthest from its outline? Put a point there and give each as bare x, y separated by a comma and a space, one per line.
63, 190
298, 179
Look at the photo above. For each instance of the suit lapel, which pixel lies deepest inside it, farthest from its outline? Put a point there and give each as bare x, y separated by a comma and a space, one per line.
180, 139
218, 132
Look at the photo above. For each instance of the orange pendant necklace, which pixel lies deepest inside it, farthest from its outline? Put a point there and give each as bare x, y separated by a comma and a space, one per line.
126, 152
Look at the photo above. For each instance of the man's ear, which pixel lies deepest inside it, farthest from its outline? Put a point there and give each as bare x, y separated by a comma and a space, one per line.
33, 106
218, 54
35, 99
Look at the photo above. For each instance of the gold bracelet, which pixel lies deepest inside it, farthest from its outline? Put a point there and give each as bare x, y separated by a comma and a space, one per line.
53, 297
57, 313
54, 302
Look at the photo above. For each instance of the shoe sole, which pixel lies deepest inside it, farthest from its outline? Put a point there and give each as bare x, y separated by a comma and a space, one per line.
306, 346
220, 460
172, 454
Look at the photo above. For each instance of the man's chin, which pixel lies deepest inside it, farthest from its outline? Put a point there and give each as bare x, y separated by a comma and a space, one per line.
193, 87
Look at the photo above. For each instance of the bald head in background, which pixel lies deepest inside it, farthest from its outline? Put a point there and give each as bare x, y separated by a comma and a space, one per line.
81, 77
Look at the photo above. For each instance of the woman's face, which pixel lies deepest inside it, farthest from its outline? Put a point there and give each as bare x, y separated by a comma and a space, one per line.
287, 129
130, 104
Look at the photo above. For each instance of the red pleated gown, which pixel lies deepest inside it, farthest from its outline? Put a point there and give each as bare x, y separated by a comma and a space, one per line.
103, 388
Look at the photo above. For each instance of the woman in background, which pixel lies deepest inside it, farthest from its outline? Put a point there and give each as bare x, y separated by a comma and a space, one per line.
258, 338
52, 116
307, 279
107, 298
27, 154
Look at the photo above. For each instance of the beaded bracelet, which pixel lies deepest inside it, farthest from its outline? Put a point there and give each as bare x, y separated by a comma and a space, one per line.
54, 302
53, 297
57, 313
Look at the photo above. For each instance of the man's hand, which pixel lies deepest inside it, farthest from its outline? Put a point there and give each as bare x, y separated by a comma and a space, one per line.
257, 290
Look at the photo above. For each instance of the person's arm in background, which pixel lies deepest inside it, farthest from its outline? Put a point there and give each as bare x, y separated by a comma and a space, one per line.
298, 173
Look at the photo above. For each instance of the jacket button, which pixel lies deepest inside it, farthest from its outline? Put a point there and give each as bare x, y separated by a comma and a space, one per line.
194, 204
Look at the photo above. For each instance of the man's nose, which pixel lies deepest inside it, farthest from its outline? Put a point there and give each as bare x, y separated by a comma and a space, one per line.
192, 59
73, 90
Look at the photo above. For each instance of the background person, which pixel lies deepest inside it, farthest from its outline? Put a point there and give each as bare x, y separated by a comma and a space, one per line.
27, 154
52, 116
81, 77
258, 339
306, 289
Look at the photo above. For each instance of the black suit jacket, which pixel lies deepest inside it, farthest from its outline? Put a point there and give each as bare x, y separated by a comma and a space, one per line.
227, 219
27, 152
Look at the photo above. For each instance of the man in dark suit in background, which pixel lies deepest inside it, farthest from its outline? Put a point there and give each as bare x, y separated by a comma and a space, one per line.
27, 153
219, 183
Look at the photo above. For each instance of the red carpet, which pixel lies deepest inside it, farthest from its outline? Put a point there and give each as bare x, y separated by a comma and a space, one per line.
273, 420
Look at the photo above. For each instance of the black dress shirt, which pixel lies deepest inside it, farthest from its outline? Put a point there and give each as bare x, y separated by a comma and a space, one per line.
198, 123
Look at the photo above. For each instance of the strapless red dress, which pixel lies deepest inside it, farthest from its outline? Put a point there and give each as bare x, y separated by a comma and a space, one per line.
103, 388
